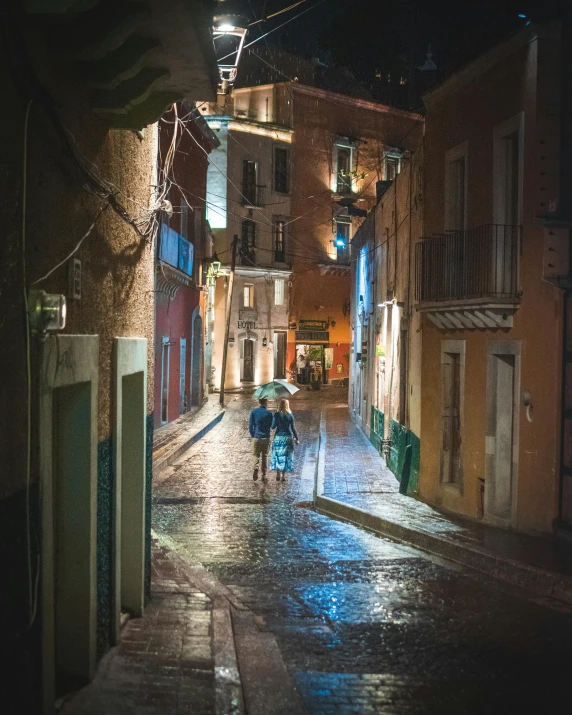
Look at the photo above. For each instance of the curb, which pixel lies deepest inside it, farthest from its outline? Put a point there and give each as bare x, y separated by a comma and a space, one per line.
250, 674
531, 578
168, 458
229, 698
320, 472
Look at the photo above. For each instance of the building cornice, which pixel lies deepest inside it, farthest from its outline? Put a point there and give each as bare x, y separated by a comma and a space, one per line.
352, 101
490, 59
258, 271
265, 129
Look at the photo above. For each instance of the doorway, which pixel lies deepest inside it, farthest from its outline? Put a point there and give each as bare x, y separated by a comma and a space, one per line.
182, 370
500, 447
73, 617
248, 360
310, 366
165, 363
281, 345
129, 463
67, 429
196, 359
452, 406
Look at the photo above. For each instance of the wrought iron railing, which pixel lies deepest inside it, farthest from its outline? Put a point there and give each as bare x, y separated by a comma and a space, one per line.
479, 263
252, 194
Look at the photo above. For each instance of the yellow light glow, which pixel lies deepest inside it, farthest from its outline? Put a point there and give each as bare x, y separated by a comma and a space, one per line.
282, 135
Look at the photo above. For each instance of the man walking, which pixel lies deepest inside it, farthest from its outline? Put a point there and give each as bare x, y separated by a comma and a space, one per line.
259, 428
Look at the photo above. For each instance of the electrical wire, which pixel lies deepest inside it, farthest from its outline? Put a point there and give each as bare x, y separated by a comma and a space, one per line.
31, 591
76, 249
280, 12
274, 29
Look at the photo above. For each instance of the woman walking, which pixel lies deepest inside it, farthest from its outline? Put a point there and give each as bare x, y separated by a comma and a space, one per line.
282, 455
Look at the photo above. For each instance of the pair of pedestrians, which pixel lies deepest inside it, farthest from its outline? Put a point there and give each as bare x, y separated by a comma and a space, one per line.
262, 421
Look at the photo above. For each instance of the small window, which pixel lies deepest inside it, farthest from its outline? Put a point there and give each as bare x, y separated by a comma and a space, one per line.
392, 167
281, 170
248, 297
279, 240
279, 291
250, 189
344, 167
342, 241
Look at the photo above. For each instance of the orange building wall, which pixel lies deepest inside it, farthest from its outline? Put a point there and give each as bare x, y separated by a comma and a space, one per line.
319, 118
471, 114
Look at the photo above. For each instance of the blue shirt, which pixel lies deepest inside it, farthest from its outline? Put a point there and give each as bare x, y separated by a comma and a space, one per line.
260, 423
283, 422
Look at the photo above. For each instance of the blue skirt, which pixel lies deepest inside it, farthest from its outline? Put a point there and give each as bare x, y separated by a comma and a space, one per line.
282, 455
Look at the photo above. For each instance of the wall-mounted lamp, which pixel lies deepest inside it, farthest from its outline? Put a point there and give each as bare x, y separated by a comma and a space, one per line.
47, 311
264, 342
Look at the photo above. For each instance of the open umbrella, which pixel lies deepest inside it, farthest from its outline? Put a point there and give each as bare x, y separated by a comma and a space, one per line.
275, 389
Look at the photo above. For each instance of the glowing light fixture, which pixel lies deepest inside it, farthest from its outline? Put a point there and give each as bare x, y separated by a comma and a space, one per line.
229, 32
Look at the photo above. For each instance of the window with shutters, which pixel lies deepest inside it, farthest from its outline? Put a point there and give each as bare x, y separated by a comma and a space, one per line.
281, 170
279, 291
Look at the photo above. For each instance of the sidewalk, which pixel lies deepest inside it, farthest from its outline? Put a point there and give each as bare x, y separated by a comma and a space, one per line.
164, 662
174, 438
360, 489
183, 655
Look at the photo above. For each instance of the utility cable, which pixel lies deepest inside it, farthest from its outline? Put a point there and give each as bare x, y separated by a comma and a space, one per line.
76, 249
280, 12
32, 591
274, 29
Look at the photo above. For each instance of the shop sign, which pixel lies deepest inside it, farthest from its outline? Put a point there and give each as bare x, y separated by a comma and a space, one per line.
313, 325
248, 314
303, 335
247, 325
380, 350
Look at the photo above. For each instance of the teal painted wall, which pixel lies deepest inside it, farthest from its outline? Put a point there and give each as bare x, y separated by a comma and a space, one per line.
401, 438
105, 521
377, 420
148, 504
105, 483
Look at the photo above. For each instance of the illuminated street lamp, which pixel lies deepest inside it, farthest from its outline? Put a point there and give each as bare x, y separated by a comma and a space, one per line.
229, 32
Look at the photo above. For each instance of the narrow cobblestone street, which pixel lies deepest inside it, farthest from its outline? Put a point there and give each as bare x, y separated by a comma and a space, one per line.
363, 624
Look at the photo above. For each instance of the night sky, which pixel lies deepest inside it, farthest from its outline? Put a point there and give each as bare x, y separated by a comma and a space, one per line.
392, 36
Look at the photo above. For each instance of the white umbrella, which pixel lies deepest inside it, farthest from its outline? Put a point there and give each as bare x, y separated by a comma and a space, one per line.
275, 389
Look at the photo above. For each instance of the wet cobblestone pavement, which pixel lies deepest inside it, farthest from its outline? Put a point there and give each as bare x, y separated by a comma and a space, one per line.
364, 625
164, 661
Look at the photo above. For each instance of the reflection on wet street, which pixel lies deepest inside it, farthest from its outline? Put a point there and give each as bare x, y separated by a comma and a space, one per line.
364, 625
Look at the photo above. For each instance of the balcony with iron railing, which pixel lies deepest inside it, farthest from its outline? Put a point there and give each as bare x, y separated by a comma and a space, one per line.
253, 194
469, 279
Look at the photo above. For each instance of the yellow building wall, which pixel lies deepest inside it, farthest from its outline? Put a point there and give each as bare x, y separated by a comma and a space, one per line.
471, 114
